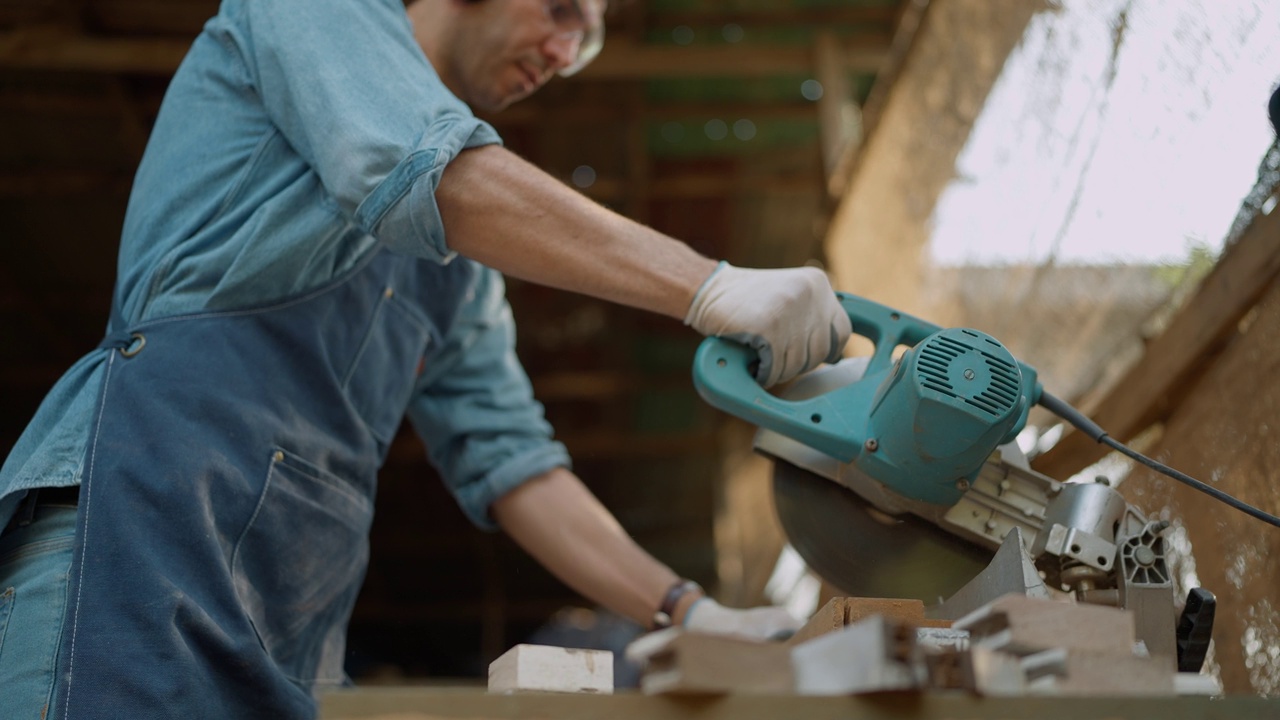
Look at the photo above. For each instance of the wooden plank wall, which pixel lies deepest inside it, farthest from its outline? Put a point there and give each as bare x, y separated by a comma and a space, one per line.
1226, 431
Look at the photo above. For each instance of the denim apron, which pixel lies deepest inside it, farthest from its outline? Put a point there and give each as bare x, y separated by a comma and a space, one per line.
228, 492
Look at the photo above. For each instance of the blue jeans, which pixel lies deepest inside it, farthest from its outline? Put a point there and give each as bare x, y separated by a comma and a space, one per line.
34, 562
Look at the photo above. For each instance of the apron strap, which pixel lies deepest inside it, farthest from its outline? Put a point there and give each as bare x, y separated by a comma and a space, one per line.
128, 343
118, 340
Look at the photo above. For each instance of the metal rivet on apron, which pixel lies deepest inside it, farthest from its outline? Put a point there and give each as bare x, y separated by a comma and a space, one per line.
389, 292
135, 347
278, 456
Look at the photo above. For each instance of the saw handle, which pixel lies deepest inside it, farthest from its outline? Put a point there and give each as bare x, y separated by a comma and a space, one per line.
885, 327
723, 377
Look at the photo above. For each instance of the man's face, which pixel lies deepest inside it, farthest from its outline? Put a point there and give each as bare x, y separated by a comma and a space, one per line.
504, 50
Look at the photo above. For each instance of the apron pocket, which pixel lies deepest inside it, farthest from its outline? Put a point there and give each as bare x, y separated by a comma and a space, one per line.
299, 564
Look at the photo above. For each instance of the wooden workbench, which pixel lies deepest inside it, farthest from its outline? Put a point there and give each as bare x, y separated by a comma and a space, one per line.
439, 703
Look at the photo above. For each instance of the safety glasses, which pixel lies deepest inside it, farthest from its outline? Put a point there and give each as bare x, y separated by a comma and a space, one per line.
580, 22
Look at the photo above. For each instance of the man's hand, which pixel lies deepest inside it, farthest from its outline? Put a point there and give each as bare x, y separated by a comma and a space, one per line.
790, 317
760, 623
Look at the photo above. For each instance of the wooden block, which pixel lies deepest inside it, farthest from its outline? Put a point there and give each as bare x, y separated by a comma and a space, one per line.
904, 611
542, 668
681, 662
829, 618
874, 655
840, 612
1099, 673
979, 670
994, 673
1197, 684
1021, 625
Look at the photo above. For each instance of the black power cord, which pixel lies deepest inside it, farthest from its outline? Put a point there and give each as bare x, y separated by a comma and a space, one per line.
1093, 430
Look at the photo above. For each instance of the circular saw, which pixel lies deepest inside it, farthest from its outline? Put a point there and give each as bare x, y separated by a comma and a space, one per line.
897, 476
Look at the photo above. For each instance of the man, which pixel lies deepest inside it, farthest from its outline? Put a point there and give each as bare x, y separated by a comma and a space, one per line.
311, 251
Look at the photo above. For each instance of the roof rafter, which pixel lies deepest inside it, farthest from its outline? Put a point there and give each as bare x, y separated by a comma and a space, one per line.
52, 48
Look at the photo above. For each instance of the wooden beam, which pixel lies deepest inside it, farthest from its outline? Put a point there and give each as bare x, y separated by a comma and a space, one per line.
718, 14
839, 118
906, 30
627, 61
61, 183
639, 159
905, 165
76, 106
1171, 364
417, 614
606, 444
615, 444
18, 12
161, 17
705, 185
55, 49
525, 114
602, 385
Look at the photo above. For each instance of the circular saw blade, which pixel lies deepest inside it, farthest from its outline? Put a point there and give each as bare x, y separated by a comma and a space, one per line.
867, 553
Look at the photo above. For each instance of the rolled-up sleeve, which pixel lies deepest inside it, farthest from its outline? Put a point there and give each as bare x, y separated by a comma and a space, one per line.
351, 91
475, 410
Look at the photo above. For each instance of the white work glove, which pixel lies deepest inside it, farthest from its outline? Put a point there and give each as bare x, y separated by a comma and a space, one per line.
758, 623
790, 317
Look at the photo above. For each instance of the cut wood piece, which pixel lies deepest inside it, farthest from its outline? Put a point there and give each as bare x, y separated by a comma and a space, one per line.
994, 673
840, 612
980, 670
680, 662
873, 655
1197, 684
909, 611
543, 668
649, 644
829, 618
1023, 626
1097, 673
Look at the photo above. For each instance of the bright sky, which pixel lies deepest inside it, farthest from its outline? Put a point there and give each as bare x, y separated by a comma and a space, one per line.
1059, 165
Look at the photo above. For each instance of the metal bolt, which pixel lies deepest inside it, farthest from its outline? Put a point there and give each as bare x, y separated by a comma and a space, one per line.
991, 525
871, 444
969, 374
962, 484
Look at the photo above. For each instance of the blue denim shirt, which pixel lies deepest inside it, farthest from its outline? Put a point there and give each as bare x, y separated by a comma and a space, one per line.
297, 138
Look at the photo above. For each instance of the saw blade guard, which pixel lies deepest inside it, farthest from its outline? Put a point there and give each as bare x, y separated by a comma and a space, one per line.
922, 424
